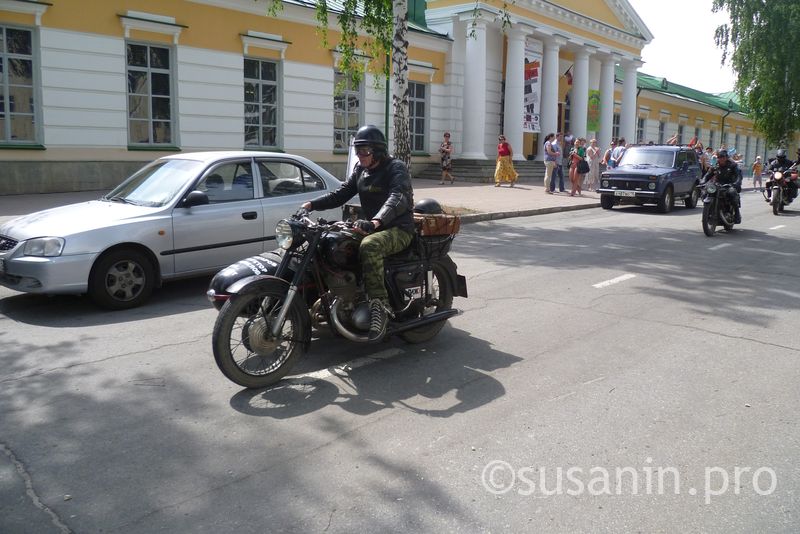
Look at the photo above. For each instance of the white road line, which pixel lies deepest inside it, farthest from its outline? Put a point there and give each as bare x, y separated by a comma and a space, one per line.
721, 245
339, 370
778, 227
613, 281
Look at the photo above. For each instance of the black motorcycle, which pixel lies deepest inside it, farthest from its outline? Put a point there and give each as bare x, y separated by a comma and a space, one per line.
718, 206
269, 303
778, 186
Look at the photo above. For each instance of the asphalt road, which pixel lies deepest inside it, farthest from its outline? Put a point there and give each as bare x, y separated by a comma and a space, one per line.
614, 350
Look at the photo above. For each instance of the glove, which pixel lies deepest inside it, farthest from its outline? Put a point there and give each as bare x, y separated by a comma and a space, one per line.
365, 226
301, 213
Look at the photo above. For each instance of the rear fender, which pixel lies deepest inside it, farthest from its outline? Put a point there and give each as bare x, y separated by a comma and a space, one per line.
458, 282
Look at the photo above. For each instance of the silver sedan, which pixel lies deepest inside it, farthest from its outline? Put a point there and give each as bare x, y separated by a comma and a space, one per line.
179, 216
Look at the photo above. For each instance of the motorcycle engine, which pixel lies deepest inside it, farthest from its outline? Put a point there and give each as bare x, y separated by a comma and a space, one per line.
340, 249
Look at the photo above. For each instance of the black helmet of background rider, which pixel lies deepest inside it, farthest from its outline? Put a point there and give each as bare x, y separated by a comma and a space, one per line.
372, 137
780, 155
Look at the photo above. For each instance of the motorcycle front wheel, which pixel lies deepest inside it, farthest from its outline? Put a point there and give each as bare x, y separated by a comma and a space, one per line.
777, 199
244, 348
441, 299
709, 220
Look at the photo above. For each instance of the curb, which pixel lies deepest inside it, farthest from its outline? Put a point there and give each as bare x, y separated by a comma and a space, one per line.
480, 217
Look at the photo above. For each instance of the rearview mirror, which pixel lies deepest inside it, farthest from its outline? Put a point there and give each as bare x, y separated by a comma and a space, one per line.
195, 198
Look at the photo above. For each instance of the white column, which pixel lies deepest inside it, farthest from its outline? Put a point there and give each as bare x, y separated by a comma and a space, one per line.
579, 103
515, 91
627, 119
606, 102
475, 93
548, 118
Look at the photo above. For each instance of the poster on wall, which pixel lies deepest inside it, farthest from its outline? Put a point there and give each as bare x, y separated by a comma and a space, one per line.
593, 112
533, 84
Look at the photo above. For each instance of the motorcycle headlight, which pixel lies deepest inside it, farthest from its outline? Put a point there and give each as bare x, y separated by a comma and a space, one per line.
284, 234
44, 246
778, 175
711, 188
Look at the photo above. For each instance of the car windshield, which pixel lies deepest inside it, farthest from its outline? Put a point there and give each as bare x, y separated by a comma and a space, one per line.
648, 158
156, 184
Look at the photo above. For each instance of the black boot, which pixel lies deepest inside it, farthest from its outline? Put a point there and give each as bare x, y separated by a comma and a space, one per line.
377, 320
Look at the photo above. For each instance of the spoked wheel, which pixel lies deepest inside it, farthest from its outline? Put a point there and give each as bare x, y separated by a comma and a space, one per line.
244, 348
441, 299
777, 200
709, 219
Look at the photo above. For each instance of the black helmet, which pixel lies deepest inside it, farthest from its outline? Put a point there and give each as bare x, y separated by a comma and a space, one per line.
370, 135
722, 153
428, 206
780, 154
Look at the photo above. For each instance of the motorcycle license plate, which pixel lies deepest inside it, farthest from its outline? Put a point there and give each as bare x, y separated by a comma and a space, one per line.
413, 292
624, 194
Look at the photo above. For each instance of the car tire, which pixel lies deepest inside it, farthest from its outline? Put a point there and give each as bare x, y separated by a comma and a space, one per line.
121, 279
667, 201
606, 202
691, 201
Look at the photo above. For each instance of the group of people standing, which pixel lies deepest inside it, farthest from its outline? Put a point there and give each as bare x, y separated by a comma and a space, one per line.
582, 160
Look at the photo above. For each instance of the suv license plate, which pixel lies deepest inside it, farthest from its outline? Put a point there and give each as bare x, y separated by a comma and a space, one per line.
624, 194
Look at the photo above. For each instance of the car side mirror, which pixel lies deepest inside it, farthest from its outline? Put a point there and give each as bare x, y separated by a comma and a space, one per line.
195, 198
685, 165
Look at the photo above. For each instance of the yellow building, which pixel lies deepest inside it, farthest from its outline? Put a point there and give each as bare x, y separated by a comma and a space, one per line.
92, 89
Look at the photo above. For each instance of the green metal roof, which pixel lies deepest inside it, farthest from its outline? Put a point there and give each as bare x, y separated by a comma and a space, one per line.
725, 101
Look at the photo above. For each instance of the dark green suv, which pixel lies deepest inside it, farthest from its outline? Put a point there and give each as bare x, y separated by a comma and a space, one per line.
652, 174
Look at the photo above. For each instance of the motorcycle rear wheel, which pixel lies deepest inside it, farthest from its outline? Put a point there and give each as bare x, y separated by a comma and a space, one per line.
709, 221
442, 293
244, 349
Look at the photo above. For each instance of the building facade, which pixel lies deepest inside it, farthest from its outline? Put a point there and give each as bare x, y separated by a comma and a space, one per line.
93, 89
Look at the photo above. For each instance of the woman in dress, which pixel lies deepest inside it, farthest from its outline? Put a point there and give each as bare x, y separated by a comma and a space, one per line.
504, 172
446, 151
576, 155
593, 156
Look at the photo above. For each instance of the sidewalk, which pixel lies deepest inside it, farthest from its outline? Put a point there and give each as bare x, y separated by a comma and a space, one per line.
476, 202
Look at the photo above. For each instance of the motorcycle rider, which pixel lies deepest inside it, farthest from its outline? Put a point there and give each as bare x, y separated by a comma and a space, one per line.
782, 163
727, 171
384, 188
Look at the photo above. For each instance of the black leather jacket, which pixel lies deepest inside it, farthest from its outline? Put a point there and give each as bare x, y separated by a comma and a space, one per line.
385, 194
730, 173
777, 163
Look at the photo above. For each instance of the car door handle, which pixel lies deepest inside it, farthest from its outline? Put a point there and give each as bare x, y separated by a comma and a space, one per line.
250, 215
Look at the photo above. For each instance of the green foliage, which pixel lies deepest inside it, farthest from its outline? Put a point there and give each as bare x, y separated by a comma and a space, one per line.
761, 43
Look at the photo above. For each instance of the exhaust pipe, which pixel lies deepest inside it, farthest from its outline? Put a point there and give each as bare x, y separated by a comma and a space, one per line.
424, 321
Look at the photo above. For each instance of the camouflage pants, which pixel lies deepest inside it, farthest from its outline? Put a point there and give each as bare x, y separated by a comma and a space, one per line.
373, 249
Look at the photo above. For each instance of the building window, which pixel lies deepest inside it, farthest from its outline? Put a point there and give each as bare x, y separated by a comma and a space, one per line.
711, 139
417, 116
736, 144
261, 92
661, 126
567, 106
680, 134
640, 130
346, 111
697, 134
17, 110
150, 102
615, 126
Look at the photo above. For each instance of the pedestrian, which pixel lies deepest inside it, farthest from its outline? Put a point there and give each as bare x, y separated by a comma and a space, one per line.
705, 160
593, 157
576, 156
673, 140
446, 151
757, 168
550, 156
559, 172
604, 163
504, 171
617, 153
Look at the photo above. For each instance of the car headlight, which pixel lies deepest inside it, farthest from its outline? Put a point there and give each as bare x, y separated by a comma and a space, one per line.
652, 186
605, 183
44, 246
284, 234
711, 188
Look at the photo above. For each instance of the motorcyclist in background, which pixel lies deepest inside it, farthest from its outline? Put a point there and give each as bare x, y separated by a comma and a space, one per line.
782, 163
726, 171
384, 188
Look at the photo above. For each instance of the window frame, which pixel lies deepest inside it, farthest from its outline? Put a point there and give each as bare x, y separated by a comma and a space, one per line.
360, 92
278, 104
36, 90
173, 97
411, 117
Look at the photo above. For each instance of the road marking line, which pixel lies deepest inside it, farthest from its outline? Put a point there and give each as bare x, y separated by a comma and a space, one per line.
592, 381
721, 245
614, 281
342, 369
778, 227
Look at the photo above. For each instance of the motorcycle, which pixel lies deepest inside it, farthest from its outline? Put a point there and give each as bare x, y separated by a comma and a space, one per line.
778, 186
718, 209
268, 304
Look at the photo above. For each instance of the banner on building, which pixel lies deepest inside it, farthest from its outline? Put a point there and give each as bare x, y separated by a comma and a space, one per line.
593, 112
533, 84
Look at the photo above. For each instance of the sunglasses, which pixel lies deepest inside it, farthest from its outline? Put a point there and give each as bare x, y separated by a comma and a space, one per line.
363, 152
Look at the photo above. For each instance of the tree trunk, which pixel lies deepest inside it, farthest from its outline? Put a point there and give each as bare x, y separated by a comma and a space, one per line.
402, 145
